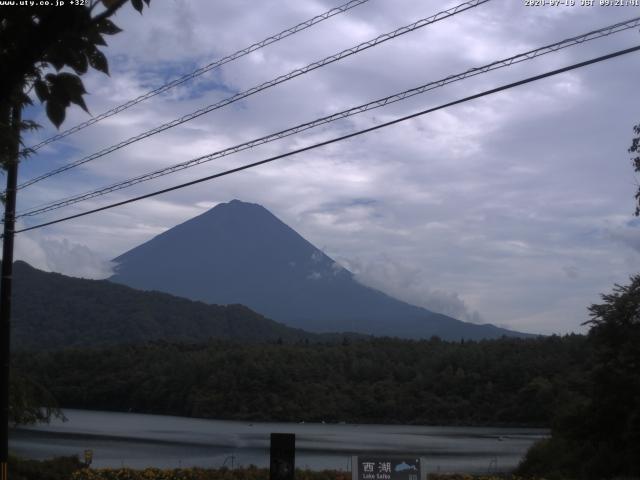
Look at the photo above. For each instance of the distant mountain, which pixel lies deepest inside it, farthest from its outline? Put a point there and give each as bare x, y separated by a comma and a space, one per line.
240, 253
52, 311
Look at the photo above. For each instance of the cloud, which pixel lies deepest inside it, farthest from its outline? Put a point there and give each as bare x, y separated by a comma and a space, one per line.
508, 205
571, 271
411, 284
62, 256
627, 233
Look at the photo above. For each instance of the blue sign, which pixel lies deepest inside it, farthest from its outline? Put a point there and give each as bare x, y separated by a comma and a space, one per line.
386, 468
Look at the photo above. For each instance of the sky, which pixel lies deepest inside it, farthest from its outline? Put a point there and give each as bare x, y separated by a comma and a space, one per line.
514, 209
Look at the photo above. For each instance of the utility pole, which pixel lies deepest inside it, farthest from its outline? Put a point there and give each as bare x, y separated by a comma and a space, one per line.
11, 166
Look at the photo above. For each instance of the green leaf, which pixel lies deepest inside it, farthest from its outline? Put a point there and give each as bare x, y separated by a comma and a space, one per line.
78, 61
138, 5
71, 83
56, 61
107, 27
95, 38
59, 93
24, 99
42, 90
55, 55
98, 61
68, 88
29, 125
147, 2
55, 112
80, 102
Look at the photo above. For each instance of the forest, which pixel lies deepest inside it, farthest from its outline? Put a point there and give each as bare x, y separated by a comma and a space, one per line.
495, 382
55, 311
584, 388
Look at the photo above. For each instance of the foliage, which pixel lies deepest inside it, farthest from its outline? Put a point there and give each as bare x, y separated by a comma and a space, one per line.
635, 149
600, 436
552, 458
250, 473
53, 311
59, 468
37, 42
30, 402
613, 427
494, 382
70, 468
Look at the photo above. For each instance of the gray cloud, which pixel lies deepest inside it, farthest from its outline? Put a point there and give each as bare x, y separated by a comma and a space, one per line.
62, 256
514, 205
571, 271
625, 232
411, 284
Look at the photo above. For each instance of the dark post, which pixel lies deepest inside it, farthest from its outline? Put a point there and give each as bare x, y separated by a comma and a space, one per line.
283, 456
5, 289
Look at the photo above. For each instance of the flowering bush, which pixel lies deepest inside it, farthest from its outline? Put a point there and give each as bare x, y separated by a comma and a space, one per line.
250, 473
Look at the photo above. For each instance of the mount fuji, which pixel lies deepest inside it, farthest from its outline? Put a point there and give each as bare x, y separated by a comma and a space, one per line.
240, 253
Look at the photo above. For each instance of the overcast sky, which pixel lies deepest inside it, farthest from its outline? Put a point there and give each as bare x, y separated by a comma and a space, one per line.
514, 209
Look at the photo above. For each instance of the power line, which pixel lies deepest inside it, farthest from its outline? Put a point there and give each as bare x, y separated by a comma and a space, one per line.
341, 138
200, 71
602, 32
271, 83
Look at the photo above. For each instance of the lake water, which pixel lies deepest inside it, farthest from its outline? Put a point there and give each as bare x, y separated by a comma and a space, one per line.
135, 440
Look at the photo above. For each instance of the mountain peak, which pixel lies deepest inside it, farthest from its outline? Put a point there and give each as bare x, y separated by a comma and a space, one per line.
238, 204
233, 209
240, 253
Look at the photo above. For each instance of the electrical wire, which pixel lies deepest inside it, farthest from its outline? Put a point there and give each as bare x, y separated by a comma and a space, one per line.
271, 83
202, 70
529, 55
341, 138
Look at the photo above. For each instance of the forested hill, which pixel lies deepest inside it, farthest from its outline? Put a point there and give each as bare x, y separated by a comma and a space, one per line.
492, 382
54, 311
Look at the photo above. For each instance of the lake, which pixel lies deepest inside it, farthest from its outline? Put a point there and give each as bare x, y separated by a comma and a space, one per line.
136, 440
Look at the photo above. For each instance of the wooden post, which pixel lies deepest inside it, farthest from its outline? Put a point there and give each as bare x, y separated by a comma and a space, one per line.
283, 456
